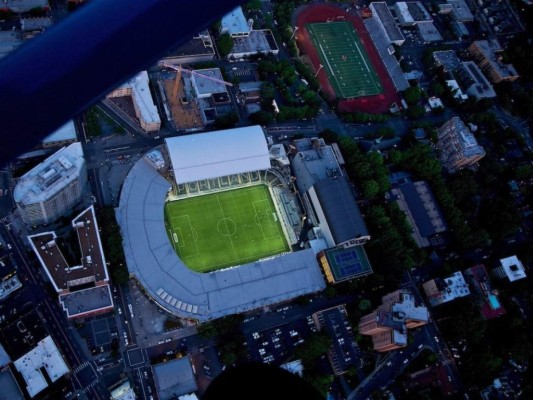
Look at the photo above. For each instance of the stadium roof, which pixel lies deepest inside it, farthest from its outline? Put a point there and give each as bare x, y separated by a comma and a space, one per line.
220, 153
153, 261
342, 213
174, 378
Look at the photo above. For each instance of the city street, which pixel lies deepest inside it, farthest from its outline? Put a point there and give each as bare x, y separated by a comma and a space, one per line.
84, 373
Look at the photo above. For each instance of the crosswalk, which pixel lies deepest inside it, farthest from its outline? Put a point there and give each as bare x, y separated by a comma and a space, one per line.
81, 366
90, 385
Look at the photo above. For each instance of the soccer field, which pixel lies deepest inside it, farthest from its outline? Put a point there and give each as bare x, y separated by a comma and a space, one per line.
345, 60
225, 229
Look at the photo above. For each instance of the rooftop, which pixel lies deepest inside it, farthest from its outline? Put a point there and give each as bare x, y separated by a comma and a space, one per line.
489, 49
151, 258
19, 6
123, 392
294, 367
460, 10
45, 356
423, 208
198, 45
4, 357
10, 388
441, 291
418, 11
340, 208
406, 309
155, 157
8, 286
448, 59
476, 83
513, 268
220, 153
37, 23
381, 10
52, 175
235, 23
87, 301
92, 268
314, 161
429, 32
66, 132
174, 378
140, 91
204, 86
9, 41
261, 41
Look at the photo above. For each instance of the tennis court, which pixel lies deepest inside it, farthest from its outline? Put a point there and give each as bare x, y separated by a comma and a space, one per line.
225, 229
348, 263
344, 59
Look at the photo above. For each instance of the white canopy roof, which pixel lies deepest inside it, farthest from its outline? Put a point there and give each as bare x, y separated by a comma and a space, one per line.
220, 153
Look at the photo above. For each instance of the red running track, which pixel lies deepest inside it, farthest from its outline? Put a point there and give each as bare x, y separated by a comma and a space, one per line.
376, 104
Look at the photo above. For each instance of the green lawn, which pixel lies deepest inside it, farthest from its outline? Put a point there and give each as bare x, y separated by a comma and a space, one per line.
225, 229
345, 60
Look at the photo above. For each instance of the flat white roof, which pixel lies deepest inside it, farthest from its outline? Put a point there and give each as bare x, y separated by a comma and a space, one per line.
220, 153
405, 15
50, 176
66, 132
140, 92
46, 355
513, 268
206, 87
235, 23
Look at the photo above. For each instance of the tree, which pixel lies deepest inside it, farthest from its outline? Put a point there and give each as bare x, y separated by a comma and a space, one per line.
227, 121
438, 89
224, 44
364, 305
415, 111
370, 189
412, 95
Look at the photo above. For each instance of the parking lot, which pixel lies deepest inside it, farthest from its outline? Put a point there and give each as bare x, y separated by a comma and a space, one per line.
276, 345
99, 333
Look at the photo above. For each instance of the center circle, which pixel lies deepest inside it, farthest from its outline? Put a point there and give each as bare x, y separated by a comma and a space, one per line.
226, 227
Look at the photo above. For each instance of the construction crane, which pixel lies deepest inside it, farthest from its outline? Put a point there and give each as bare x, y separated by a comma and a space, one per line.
179, 69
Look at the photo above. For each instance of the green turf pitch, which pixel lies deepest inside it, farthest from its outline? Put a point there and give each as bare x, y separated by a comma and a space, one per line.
345, 60
225, 229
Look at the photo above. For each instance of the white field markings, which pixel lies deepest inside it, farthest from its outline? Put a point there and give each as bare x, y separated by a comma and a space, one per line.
265, 212
230, 241
349, 72
176, 223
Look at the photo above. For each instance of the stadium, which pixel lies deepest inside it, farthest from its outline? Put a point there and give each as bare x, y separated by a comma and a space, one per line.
211, 235
346, 62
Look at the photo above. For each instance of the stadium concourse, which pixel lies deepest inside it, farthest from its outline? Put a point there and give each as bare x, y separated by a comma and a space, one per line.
381, 100
205, 163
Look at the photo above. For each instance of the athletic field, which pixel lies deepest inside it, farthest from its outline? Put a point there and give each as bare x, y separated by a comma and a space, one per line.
345, 60
225, 229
